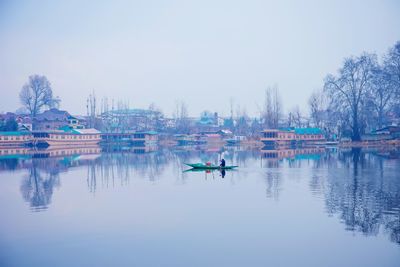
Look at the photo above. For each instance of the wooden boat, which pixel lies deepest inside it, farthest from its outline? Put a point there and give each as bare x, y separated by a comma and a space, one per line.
209, 167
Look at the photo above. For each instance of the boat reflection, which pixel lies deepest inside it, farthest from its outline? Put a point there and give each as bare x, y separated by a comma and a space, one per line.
221, 173
272, 157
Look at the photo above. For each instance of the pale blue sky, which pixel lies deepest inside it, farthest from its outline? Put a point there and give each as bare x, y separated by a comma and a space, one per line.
201, 52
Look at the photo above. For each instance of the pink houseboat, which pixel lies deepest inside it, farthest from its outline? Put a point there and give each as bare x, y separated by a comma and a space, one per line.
67, 137
15, 139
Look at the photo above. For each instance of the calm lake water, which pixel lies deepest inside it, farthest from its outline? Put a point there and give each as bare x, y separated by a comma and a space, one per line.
117, 207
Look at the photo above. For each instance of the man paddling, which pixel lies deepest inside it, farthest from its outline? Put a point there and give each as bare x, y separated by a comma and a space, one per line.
222, 165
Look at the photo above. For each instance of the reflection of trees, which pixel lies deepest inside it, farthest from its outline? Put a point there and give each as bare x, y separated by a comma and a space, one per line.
37, 187
9, 164
365, 192
273, 181
112, 168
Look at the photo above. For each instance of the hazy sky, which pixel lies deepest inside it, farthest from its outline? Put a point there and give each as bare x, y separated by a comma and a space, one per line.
201, 52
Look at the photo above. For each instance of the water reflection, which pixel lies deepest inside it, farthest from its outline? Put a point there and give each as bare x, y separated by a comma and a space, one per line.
220, 173
364, 191
360, 187
37, 187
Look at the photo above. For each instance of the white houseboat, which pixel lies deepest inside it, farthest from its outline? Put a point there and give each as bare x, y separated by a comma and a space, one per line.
292, 137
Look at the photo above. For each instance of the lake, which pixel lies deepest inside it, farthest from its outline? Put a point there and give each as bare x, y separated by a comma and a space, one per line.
139, 207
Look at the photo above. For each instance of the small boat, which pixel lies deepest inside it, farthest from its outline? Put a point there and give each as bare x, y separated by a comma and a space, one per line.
209, 167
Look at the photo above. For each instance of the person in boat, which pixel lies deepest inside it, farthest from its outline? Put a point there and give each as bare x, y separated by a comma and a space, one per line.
222, 165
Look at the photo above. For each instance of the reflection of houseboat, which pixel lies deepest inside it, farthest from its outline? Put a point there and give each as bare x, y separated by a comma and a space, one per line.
144, 149
292, 137
67, 137
15, 138
235, 140
292, 153
21, 152
69, 151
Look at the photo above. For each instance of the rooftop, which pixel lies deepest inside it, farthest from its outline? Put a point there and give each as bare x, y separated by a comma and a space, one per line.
307, 130
16, 133
53, 115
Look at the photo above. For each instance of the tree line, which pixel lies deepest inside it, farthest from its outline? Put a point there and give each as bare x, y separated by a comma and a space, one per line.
362, 96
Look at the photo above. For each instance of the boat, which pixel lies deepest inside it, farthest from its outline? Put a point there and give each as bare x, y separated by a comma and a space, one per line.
66, 136
209, 167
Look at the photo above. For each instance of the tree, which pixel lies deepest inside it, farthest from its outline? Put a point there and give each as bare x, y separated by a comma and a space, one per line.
242, 126
381, 93
317, 104
296, 117
392, 63
392, 66
272, 113
181, 116
37, 94
157, 118
348, 89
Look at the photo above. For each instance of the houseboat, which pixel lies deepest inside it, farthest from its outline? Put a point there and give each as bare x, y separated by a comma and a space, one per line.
144, 138
67, 137
187, 140
116, 138
291, 137
15, 139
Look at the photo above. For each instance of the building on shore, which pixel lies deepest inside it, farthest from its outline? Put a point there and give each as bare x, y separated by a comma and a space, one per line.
130, 120
292, 137
22, 122
54, 119
145, 138
383, 134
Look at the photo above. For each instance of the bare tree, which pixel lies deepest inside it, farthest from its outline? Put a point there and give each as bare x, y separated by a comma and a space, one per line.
381, 93
392, 67
296, 117
181, 116
272, 113
37, 94
91, 109
348, 89
392, 63
242, 126
317, 105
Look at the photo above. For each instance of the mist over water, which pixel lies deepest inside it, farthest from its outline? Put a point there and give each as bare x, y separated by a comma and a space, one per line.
307, 207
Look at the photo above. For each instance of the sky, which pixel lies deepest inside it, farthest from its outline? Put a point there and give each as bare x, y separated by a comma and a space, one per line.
203, 53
